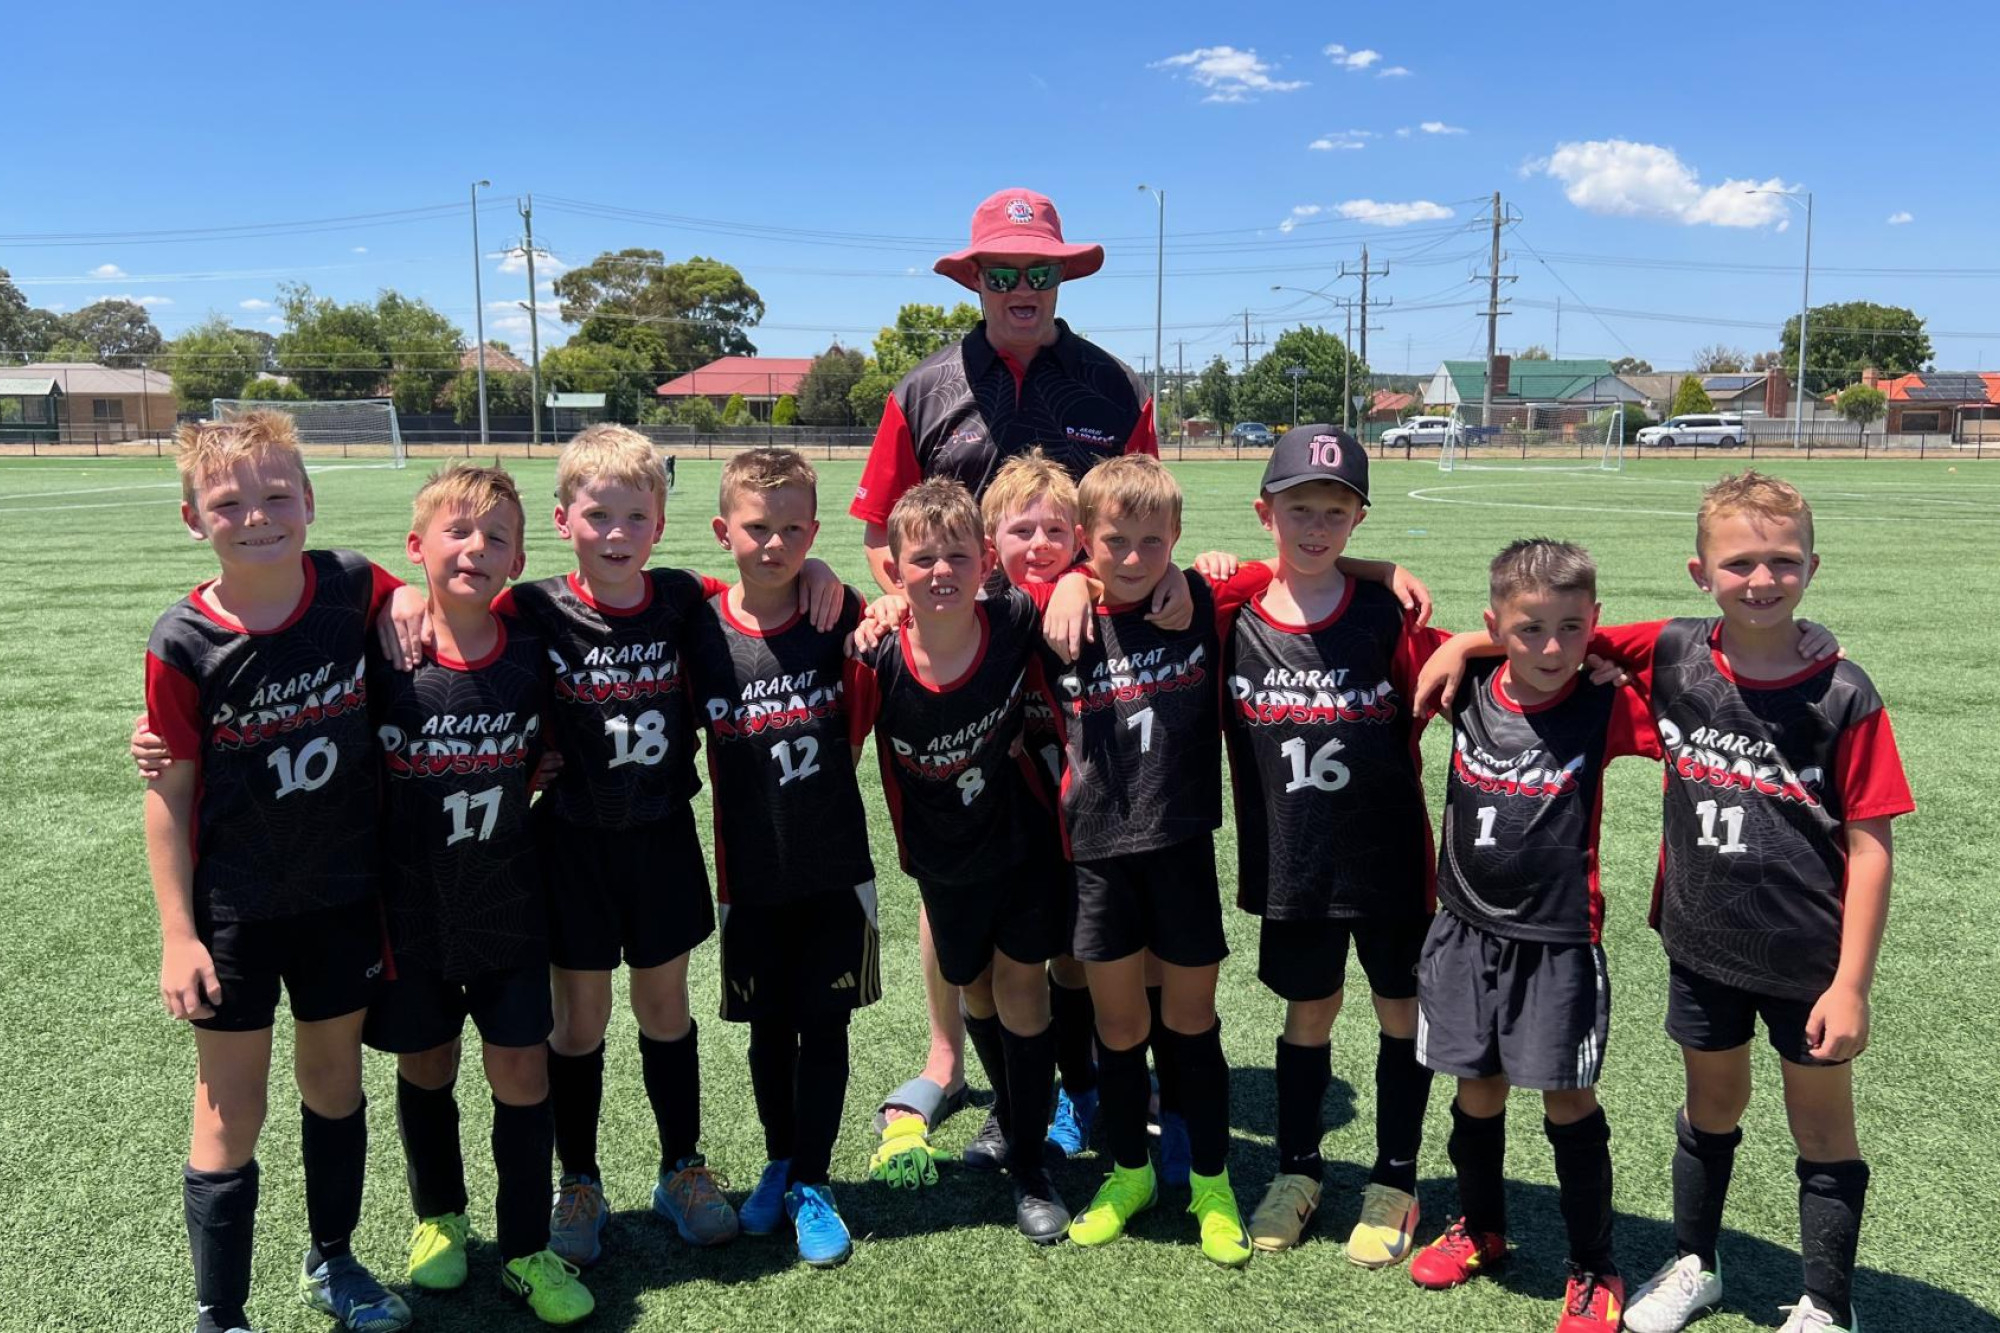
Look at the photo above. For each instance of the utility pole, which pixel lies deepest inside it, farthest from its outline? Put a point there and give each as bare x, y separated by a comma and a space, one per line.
1364, 273
1246, 342
479, 306
1557, 353
1493, 313
527, 207
1180, 385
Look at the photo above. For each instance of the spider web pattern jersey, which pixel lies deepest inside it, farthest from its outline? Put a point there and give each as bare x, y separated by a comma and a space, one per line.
460, 740
277, 723
1761, 779
621, 714
788, 814
1523, 802
1331, 822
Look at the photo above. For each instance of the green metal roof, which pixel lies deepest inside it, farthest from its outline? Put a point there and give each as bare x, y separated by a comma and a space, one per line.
1530, 381
34, 386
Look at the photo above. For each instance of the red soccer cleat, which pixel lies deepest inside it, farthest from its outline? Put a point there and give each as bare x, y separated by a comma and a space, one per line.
1457, 1256
1594, 1302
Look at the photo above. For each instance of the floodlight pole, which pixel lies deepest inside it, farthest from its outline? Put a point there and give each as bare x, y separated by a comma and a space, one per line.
1805, 309
1295, 374
1159, 297
479, 309
527, 210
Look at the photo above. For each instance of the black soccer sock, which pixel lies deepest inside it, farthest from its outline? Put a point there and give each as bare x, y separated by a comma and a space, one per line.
984, 1034
1402, 1093
1075, 1023
1031, 1079
672, 1071
1164, 1069
774, 1060
221, 1212
336, 1163
1122, 1093
1583, 1183
1478, 1149
433, 1162
1303, 1074
1703, 1163
576, 1100
524, 1146
819, 1096
1831, 1195
1204, 1080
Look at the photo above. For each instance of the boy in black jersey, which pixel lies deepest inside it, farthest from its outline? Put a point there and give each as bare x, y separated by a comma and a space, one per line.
466, 908
1512, 989
1775, 863
1141, 800
1333, 841
944, 695
794, 881
259, 836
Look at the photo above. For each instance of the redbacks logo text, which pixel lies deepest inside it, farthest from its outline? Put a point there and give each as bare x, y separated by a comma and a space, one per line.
1729, 761
774, 703
619, 672
1532, 773
281, 707
1308, 698
458, 743
1135, 676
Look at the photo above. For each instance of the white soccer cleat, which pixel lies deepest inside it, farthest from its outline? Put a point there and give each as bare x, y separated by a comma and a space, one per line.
1668, 1299
1805, 1317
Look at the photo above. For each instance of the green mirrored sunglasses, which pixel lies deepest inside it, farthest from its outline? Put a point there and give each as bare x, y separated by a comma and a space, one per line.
1040, 277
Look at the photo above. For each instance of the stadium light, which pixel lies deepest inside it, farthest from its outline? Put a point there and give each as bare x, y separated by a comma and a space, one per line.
479, 307
1159, 295
1805, 306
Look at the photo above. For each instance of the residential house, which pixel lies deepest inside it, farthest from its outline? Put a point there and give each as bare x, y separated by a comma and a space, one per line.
104, 405
1390, 405
497, 360
1962, 404
30, 406
1518, 385
762, 380
1748, 393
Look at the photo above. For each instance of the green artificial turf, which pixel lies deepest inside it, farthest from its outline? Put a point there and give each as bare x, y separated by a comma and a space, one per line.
94, 1099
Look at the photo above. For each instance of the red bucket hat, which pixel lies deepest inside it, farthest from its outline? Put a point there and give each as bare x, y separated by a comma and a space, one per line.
1019, 222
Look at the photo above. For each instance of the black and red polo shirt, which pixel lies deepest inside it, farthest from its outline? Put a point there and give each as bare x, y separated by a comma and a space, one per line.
967, 409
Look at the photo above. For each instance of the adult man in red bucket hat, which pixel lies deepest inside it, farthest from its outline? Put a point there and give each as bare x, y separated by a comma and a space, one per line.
1019, 380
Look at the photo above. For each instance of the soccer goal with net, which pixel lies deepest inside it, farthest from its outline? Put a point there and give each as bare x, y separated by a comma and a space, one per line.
1536, 437
357, 428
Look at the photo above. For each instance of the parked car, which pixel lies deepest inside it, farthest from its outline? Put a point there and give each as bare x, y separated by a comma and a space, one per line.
1695, 428
1420, 431
1251, 432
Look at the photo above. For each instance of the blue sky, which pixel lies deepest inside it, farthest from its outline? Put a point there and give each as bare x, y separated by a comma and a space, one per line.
833, 158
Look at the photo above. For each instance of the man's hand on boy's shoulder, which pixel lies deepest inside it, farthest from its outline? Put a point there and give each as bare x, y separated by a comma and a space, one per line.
822, 596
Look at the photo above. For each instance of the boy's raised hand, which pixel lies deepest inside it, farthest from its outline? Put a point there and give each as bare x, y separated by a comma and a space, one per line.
404, 628
1173, 604
1071, 618
1217, 566
1837, 1028
821, 595
149, 752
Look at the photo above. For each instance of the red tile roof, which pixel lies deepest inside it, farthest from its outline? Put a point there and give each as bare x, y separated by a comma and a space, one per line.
1389, 402
1898, 389
751, 376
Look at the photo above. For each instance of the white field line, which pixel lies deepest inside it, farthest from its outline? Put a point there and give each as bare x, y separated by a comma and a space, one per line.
139, 486
1430, 495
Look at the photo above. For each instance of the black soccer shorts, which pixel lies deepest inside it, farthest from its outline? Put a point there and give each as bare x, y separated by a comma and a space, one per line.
1166, 900
328, 963
640, 894
1023, 913
1707, 1015
801, 961
1307, 960
420, 1009
1538, 1013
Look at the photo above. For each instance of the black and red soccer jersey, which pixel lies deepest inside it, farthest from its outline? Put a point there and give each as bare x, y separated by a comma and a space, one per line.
788, 816
1141, 731
951, 763
1523, 802
622, 716
463, 891
1761, 779
1330, 814
276, 722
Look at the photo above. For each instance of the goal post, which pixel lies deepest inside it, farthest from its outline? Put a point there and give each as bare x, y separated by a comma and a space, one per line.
1536, 437
357, 428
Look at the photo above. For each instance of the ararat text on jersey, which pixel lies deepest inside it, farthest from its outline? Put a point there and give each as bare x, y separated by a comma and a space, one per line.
628, 654
327, 694
1263, 706
1124, 679
1526, 774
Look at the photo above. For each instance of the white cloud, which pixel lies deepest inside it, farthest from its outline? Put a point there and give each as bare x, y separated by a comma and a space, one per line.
1230, 75
1393, 72
1439, 127
137, 300
1346, 59
1391, 214
1901, 216
1619, 178
1341, 141
516, 261
359, 250
549, 309
1298, 214
107, 271
1402, 131
254, 303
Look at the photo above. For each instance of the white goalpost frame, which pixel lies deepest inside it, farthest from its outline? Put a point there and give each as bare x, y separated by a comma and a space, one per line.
1594, 431
355, 423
